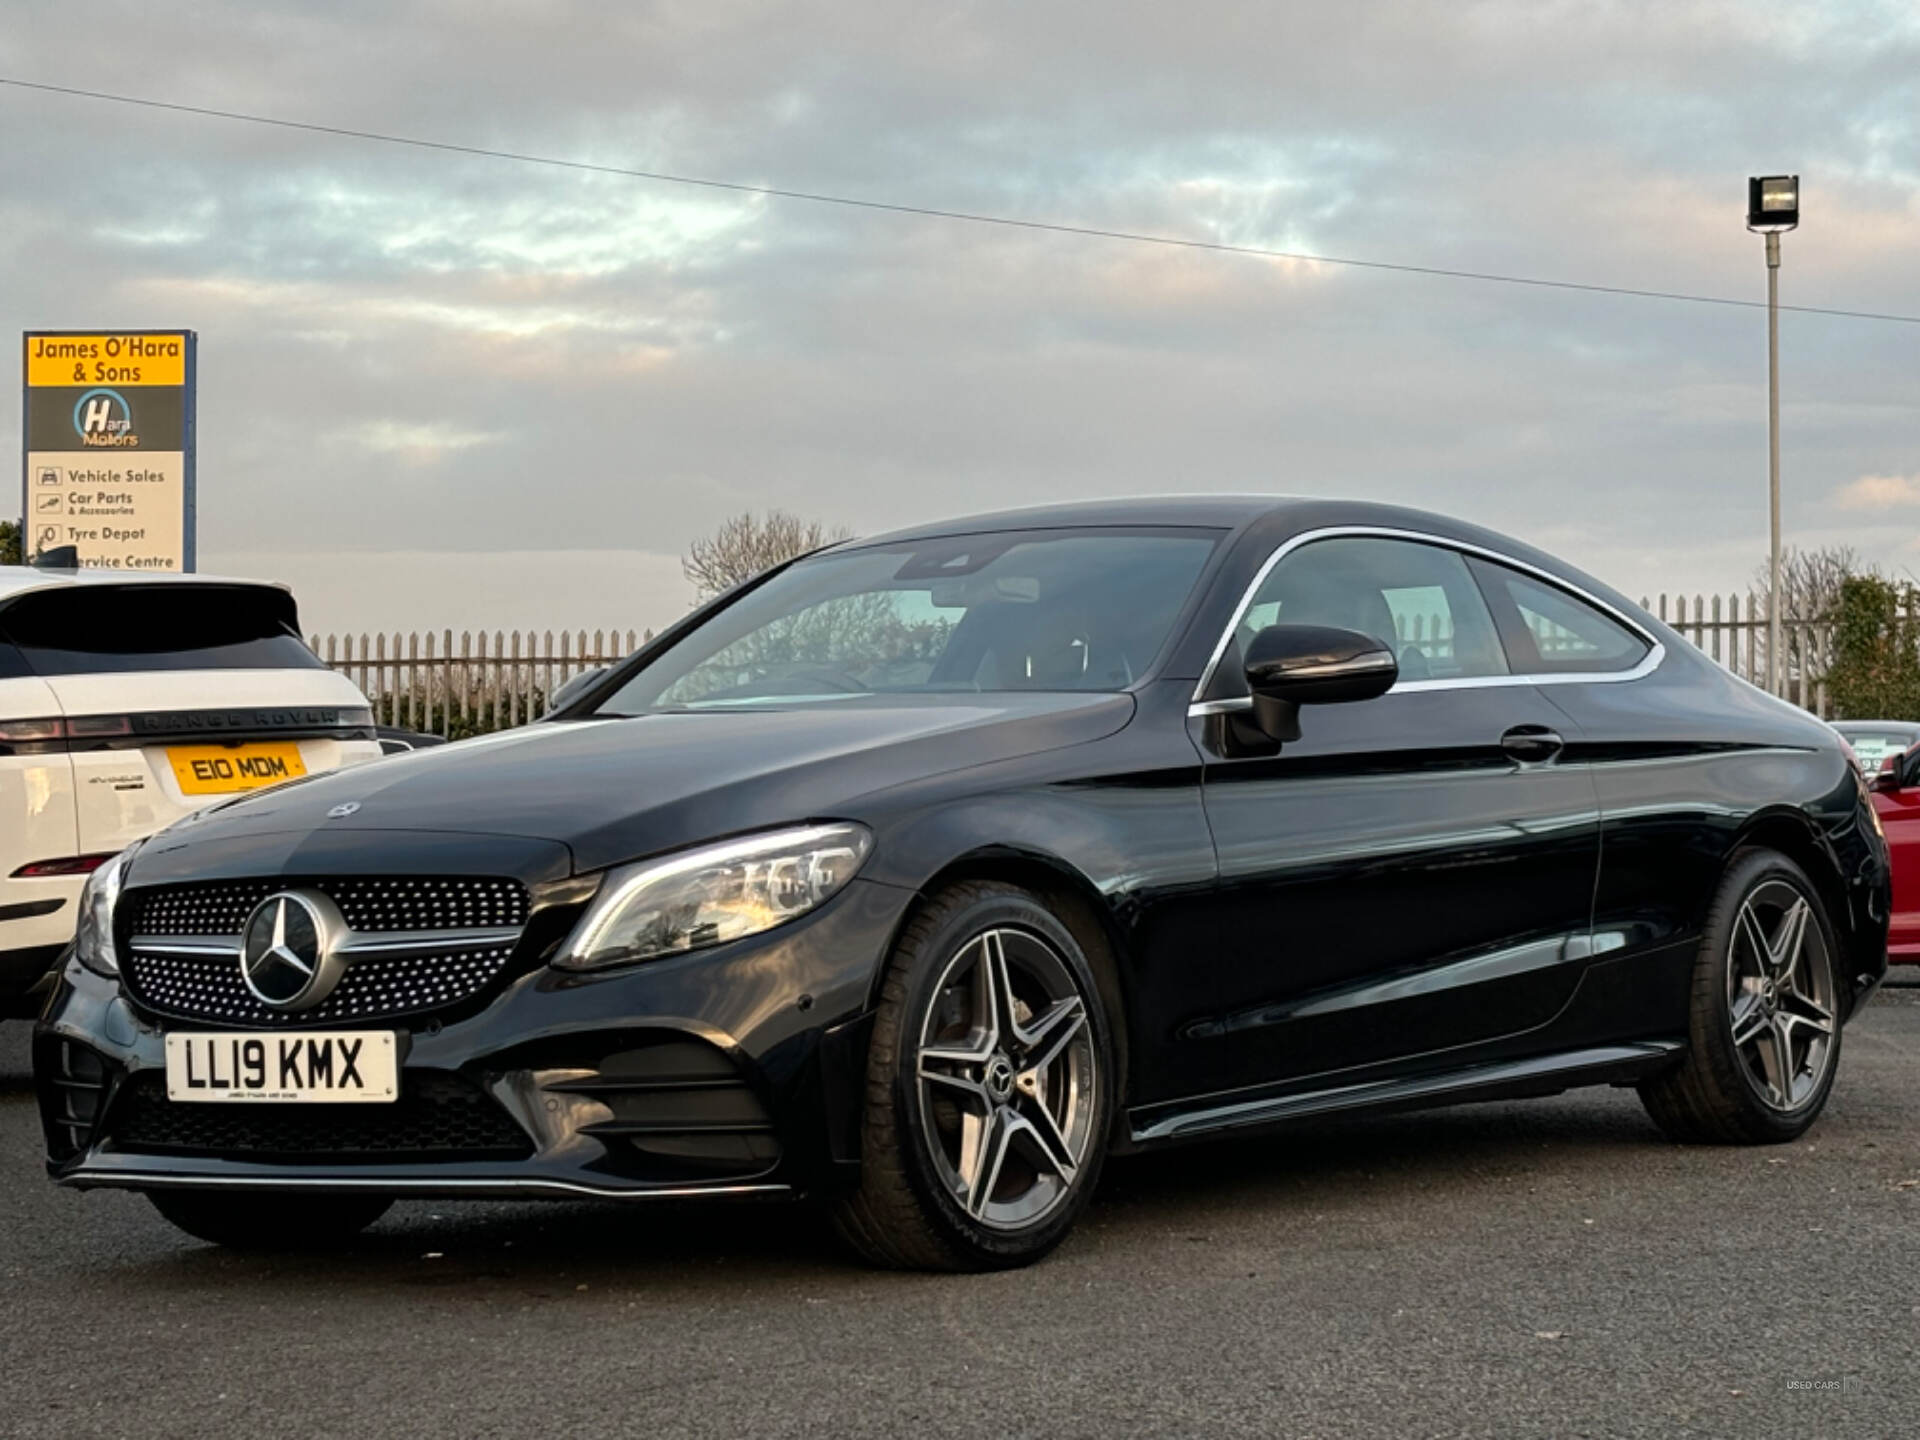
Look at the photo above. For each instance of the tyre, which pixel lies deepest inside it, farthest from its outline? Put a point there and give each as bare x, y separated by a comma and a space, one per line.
268, 1221
1764, 1027
990, 1088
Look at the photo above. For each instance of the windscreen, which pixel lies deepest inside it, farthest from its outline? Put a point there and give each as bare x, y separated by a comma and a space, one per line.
1021, 610
116, 629
1873, 746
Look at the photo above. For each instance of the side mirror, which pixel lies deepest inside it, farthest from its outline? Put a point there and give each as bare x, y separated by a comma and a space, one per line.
1887, 778
1293, 665
571, 689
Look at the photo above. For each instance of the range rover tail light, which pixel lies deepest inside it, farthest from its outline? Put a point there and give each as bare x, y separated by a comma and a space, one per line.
68, 865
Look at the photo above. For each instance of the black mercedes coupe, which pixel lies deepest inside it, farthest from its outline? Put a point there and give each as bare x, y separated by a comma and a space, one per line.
924, 872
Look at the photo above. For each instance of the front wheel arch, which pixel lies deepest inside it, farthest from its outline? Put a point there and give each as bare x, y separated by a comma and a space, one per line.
903, 1210
1076, 904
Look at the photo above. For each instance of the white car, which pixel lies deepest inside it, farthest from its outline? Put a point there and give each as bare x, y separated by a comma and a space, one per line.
128, 701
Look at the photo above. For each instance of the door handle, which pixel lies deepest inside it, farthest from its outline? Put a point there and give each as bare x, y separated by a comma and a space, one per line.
1532, 744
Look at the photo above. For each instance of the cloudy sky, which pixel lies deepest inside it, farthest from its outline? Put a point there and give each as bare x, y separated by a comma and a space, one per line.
446, 390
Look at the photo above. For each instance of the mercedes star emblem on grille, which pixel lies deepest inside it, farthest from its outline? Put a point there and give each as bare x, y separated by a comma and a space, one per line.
289, 950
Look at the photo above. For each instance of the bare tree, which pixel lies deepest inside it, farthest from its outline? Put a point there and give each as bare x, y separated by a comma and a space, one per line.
1809, 581
747, 544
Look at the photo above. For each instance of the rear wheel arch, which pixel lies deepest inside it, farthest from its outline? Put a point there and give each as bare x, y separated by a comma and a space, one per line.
1793, 835
1730, 1087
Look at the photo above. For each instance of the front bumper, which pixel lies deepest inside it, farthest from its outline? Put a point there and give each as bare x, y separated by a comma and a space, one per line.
733, 1072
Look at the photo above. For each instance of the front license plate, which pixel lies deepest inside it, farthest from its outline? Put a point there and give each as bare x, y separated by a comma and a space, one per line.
229, 769
334, 1067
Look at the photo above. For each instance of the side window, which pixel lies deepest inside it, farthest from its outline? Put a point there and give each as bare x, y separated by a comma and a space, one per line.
1421, 599
12, 663
1548, 631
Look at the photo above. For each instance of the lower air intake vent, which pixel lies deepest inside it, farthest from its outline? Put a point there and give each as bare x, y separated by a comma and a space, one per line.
74, 1081
670, 1109
438, 1116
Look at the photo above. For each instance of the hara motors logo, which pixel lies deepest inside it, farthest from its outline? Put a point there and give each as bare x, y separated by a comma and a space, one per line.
102, 418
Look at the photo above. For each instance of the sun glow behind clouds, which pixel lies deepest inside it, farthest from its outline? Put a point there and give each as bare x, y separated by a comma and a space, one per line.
584, 226
419, 443
1880, 492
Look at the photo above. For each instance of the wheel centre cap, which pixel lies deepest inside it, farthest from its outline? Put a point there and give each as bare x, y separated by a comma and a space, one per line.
1000, 1077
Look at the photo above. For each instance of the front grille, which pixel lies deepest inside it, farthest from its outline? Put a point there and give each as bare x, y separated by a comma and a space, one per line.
371, 903
439, 1115
209, 987
443, 974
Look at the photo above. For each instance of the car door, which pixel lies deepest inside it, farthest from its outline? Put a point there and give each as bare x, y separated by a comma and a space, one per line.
1415, 874
1676, 780
1899, 810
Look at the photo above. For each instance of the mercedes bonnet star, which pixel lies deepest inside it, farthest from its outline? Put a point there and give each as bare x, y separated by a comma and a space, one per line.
923, 873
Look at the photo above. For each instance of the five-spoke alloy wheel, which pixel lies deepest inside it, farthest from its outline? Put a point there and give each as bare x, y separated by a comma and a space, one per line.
1006, 1067
1764, 1034
1780, 994
989, 1087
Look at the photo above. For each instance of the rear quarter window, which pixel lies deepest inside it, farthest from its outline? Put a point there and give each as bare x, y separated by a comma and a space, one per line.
1548, 631
119, 629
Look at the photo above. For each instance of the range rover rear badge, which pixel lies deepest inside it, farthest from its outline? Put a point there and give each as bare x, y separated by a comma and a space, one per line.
340, 812
289, 950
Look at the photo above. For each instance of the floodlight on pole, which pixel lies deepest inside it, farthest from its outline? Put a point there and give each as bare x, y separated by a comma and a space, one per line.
1773, 207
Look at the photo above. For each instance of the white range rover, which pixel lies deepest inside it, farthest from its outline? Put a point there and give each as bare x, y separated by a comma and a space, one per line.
127, 701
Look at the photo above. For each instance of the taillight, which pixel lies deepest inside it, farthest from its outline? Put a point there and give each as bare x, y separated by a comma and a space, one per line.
68, 865
52, 731
28, 732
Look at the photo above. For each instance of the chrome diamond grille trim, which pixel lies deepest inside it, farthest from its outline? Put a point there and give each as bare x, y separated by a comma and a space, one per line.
417, 946
369, 903
205, 987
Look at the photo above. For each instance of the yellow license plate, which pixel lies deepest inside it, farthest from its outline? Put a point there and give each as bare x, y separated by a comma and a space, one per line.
229, 769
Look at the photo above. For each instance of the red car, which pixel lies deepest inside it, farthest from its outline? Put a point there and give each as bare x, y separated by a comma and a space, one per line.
1895, 782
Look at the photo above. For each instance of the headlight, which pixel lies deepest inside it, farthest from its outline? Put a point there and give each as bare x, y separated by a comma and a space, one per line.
714, 894
93, 940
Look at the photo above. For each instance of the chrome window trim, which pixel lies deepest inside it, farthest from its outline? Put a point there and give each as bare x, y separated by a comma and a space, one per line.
1656, 653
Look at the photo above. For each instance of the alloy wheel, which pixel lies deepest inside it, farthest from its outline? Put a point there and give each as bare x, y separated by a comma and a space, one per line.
1005, 1076
1780, 994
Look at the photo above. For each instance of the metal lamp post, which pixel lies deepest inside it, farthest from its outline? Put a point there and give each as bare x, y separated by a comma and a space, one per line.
1773, 207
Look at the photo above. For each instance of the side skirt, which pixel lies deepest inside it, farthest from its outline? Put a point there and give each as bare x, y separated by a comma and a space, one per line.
1511, 1079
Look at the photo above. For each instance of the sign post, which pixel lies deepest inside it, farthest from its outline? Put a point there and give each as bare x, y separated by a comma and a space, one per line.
107, 428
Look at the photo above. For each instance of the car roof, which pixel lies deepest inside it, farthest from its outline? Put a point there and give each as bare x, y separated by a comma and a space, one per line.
1843, 726
19, 579
1226, 512
1276, 515
1223, 512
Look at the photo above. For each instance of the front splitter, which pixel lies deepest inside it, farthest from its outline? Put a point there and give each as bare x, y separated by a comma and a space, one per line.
126, 1173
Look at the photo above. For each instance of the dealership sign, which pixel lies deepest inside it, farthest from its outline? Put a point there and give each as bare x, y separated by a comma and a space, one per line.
108, 433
